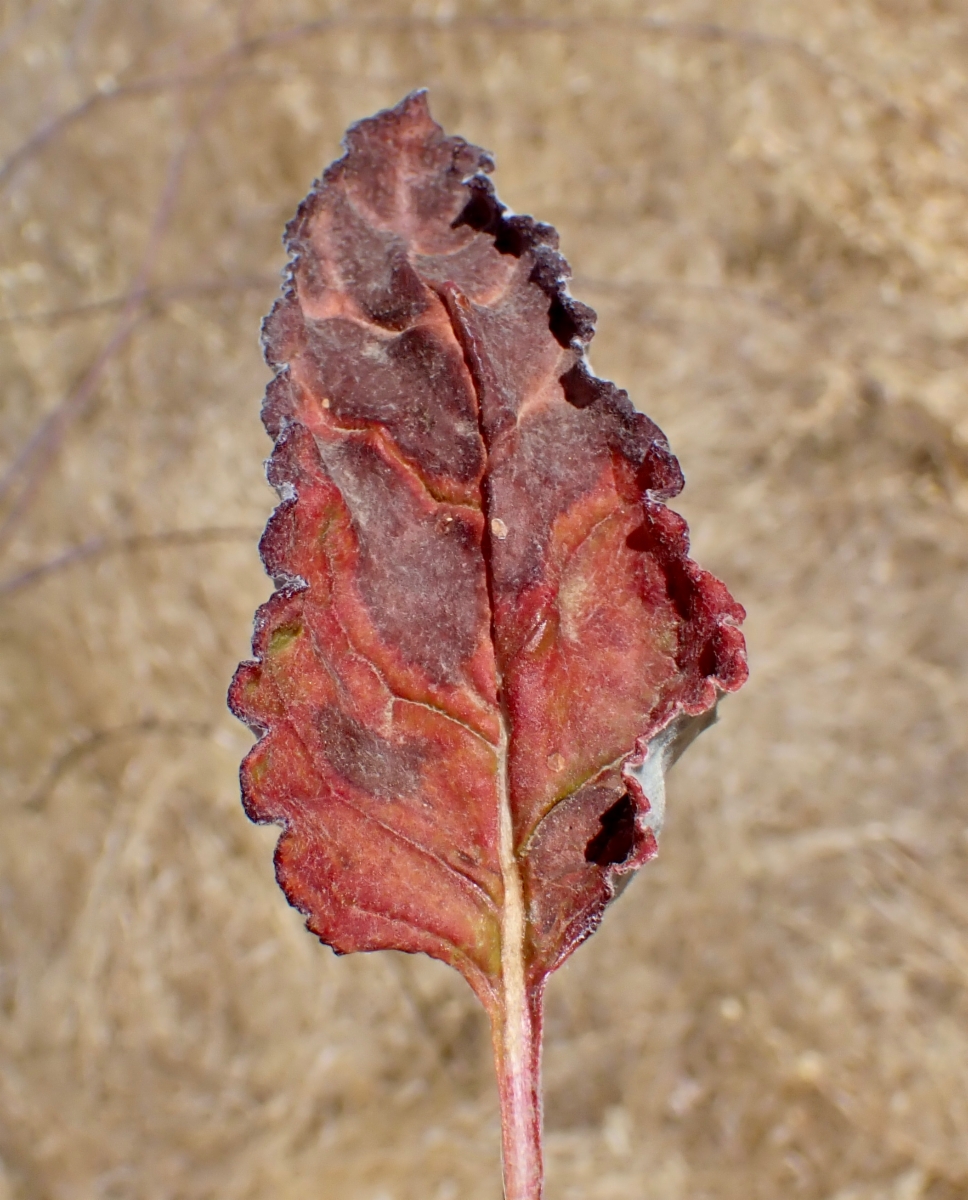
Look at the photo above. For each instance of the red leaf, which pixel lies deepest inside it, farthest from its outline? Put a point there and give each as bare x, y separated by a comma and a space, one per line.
488, 639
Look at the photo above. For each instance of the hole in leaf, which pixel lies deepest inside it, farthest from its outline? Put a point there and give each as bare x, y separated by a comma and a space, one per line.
615, 841
485, 213
482, 211
562, 323
579, 387
513, 236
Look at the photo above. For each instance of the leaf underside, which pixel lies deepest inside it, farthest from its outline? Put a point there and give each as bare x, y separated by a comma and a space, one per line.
488, 636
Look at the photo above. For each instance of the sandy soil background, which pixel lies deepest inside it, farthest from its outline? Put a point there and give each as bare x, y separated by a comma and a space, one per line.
767, 202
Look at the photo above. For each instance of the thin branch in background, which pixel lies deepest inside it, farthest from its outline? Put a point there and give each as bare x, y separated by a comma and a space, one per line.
38, 798
18, 27
30, 465
154, 298
203, 72
102, 547
49, 129
209, 73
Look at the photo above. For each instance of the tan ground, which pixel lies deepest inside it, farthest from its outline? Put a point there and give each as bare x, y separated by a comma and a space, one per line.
768, 204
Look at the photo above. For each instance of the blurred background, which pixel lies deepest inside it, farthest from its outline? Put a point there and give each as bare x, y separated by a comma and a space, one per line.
767, 203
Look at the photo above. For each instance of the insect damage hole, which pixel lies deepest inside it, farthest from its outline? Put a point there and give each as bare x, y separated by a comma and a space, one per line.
613, 844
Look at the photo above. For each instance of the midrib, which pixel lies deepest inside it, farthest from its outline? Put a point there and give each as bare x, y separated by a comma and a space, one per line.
516, 1034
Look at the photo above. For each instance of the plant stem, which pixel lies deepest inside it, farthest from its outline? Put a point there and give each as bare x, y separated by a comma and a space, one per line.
517, 1053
